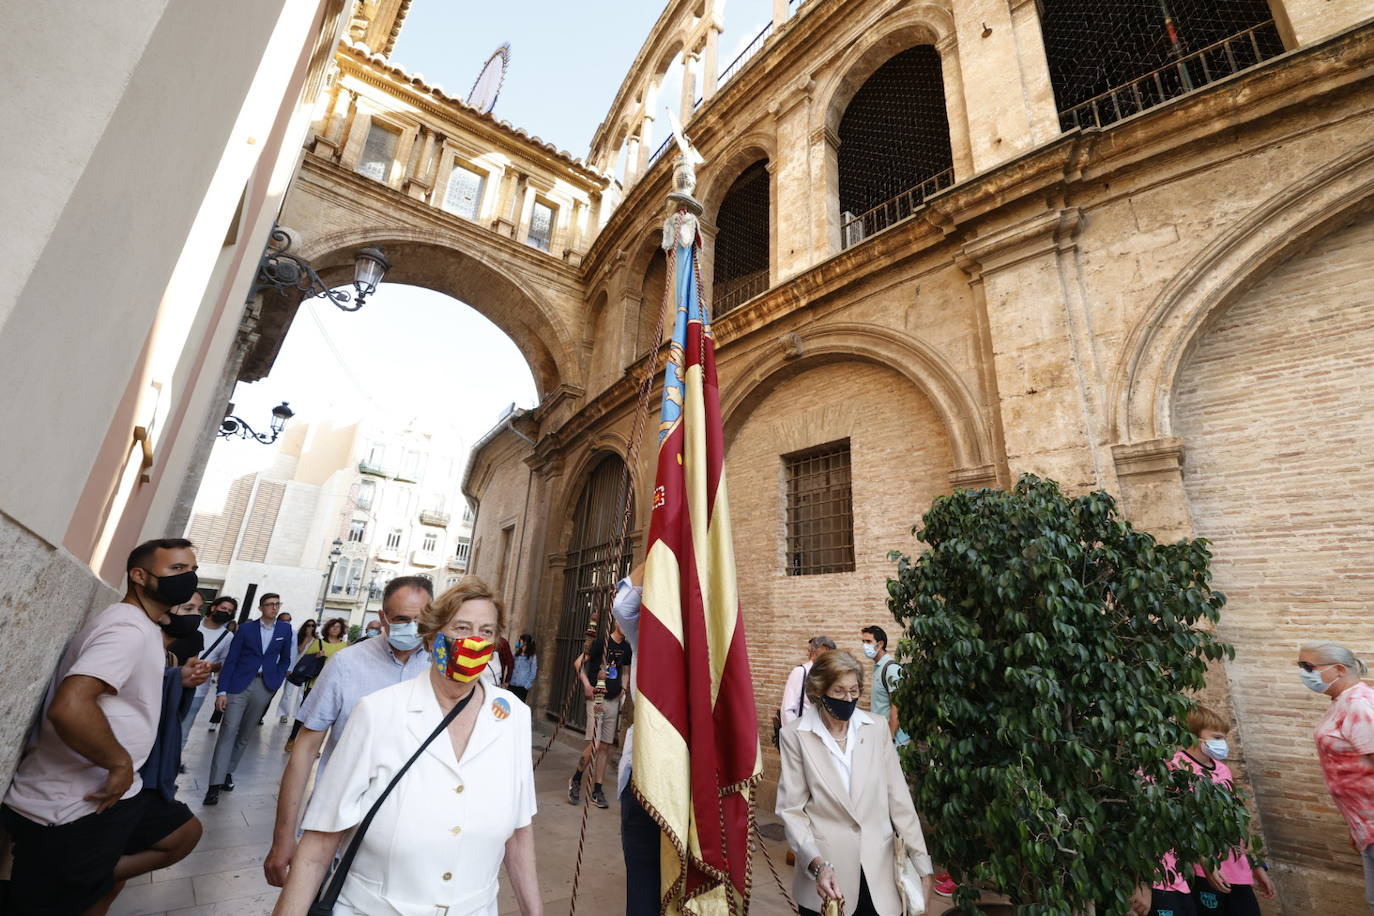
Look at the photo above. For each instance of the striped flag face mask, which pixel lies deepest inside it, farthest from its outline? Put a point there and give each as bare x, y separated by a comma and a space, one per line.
463, 660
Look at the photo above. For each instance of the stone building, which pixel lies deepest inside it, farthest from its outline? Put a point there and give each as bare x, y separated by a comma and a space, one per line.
953, 242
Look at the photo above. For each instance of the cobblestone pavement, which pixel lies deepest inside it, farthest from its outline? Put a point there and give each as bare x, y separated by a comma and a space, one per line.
224, 874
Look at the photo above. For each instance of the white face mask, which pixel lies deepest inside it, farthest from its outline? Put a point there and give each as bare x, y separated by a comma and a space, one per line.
1216, 748
871, 649
1313, 680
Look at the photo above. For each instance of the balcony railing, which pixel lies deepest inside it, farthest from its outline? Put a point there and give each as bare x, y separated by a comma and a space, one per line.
1214, 62
408, 475
434, 517
854, 229
749, 51
734, 293
424, 558
458, 563
389, 555
662, 148
367, 467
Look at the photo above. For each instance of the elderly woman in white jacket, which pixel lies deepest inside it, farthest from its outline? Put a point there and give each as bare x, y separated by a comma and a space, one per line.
463, 809
843, 800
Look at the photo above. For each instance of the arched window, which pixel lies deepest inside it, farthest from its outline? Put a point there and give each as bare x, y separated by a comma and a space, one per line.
1108, 61
591, 573
894, 144
742, 240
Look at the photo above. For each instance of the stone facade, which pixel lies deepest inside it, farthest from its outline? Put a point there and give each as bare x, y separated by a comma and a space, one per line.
1164, 307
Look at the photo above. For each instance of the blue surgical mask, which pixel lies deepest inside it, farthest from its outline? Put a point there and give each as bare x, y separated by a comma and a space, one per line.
404, 636
871, 649
1313, 680
1216, 748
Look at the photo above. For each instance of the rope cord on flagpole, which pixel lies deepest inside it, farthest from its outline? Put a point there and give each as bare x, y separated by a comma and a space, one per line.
763, 847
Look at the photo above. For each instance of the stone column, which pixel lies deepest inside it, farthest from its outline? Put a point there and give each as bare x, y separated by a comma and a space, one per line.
710, 71
780, 13
331, 144
956, 111
501, 221
1015, 109
420, 183
794, 180
646, 143
632, 166
1047, 376
691, 64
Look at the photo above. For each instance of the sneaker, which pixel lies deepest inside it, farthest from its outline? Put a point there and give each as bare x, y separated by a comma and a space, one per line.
228, 784
599, 798
574, 791
281, 720
944, 885
212, 796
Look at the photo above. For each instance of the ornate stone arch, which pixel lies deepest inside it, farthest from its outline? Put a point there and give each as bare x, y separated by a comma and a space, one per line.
564, 504
447, 262
1140, 398
742, 152
970, 438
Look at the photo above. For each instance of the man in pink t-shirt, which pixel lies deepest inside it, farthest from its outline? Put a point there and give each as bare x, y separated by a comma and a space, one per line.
76, 800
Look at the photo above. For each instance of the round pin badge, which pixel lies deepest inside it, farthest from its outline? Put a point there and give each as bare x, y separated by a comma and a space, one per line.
500, 708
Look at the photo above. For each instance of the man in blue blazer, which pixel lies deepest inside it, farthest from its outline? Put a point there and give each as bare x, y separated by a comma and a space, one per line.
256, 665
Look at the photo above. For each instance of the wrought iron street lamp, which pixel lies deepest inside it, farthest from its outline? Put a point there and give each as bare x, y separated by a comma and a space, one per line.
281, 271
329, 576
236, 426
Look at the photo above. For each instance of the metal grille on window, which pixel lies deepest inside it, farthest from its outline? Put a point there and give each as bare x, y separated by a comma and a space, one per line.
820, 511
590, 576
1110, 59
379, 151
541, 226
742, 239
894, 145
464, 192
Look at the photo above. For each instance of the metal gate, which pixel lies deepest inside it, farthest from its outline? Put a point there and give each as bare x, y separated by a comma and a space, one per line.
590, 577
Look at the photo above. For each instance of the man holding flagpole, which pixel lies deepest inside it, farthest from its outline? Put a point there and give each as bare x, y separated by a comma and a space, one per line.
696, 732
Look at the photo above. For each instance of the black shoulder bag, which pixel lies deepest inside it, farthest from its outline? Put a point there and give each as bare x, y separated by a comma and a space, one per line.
206, 654
324, 904
308, 667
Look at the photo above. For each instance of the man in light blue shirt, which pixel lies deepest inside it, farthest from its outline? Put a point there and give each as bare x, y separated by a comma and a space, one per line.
886, 675
352, 674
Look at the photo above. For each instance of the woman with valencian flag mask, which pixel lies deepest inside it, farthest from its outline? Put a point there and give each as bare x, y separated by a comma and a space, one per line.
448, 822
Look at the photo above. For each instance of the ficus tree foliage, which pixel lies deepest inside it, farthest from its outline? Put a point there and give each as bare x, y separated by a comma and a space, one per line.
1048, 651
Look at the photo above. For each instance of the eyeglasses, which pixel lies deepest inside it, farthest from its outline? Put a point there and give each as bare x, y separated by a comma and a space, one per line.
1308, 666
272, 604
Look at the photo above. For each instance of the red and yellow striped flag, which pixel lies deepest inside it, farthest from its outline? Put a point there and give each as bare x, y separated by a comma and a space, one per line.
696, 746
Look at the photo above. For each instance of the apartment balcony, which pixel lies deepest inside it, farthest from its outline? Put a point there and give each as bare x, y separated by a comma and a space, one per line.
407, 475
458, 564
367, 467
424, 558
434, 517
389, 555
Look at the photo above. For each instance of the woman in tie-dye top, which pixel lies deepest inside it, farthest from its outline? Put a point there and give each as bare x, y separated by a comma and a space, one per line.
1345, 741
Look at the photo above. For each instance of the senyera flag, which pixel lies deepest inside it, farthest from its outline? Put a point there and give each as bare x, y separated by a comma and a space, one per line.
696, 745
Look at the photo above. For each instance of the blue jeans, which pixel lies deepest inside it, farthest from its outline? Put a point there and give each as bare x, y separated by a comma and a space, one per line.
639, 840
190, 718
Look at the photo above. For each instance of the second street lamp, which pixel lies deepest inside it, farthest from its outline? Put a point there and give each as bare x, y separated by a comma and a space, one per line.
281, 271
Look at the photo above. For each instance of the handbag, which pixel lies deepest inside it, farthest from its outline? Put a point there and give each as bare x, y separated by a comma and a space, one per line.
333, 886
308, 667
908, 881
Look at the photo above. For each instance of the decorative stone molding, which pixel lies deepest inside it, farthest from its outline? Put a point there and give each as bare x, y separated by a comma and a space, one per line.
791, 345
981, 477
827, 135
1151, 457
1053, 230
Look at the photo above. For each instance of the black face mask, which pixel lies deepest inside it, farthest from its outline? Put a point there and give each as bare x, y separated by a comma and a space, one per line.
173, 590
181, 626
840, 709
222, 617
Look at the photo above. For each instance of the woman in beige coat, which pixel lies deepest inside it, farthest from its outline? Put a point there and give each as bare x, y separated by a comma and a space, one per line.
842, 795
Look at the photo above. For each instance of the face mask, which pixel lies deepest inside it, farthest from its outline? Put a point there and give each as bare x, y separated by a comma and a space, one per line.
1313, 680
840, 709
404, 636
871, 649
463, 660
173, 590
222, 617
181, 626
1216, 748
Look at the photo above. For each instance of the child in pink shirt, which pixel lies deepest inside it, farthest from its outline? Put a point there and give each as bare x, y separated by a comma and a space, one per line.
1229, 890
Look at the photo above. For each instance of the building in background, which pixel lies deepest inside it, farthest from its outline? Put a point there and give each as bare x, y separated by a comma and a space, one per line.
340, 511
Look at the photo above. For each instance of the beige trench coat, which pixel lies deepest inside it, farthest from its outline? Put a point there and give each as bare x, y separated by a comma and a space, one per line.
853, 830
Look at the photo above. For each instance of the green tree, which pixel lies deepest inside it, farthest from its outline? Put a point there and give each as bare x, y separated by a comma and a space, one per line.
1049, 646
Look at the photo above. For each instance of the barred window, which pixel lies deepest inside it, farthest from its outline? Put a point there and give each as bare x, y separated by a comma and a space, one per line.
379, 152
541, 225
820, 511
